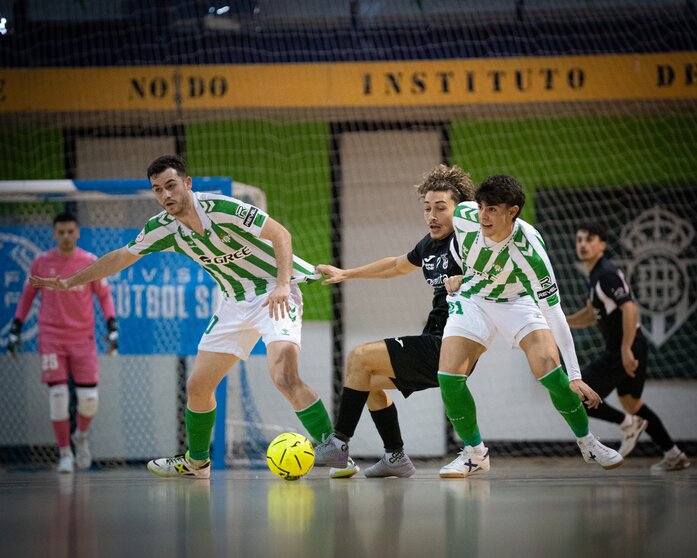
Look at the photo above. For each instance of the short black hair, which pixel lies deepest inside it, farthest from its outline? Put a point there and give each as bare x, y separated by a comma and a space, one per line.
65, 217
165, 162
501, 188
593, 229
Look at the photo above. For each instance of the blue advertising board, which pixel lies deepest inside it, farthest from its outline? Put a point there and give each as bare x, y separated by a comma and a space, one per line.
163, 302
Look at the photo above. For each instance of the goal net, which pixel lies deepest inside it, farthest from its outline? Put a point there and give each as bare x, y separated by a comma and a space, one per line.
334, 110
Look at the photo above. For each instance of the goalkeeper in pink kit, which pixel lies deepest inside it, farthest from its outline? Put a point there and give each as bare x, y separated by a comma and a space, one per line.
67, 345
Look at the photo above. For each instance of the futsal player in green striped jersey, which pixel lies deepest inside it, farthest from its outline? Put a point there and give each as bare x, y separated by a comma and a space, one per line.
250, 256
508, 286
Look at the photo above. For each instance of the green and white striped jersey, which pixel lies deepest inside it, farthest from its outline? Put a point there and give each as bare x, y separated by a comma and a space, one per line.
515, 267
230, 250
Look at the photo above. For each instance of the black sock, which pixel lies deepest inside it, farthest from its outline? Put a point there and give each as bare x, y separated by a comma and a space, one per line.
350, 409
655, 429
606, 413
387, 423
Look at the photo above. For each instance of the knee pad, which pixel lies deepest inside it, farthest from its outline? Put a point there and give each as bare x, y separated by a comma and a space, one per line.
87, 401
58, 402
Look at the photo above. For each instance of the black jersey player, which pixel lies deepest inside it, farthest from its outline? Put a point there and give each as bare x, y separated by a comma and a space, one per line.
622, 365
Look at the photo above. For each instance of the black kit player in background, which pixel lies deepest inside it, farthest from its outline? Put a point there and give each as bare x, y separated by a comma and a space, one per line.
407, 363
622, 365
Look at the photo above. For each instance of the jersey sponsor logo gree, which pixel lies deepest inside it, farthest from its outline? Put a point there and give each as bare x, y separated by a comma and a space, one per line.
227, 258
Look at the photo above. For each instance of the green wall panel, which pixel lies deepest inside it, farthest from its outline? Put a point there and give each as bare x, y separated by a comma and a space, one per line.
581, 151
290, 162
31, 154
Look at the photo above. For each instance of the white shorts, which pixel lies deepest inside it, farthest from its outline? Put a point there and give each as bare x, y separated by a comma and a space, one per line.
237, 325
479, 320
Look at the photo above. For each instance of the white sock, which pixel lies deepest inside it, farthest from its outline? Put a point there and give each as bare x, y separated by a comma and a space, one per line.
587, 438
66, 452
628, 419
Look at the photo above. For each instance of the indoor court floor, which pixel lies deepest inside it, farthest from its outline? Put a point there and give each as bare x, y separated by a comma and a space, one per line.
521, 508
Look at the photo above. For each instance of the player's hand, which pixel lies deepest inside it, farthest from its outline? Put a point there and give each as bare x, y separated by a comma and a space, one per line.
629, 362
277, 302
332, 274
112, 336
14, 339
55, 283
586, 393
453, 283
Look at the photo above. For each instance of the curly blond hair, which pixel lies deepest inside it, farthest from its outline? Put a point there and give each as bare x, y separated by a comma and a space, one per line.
448, 179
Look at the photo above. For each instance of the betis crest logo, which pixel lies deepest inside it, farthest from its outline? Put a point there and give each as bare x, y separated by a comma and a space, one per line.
659, 271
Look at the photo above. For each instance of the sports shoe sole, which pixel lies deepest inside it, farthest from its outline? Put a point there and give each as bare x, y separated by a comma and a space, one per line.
613, 465
166, 476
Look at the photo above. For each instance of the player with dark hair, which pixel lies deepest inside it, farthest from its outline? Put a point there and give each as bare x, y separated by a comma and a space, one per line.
622, 365
250, 256
408, 363
508, 287
67, 346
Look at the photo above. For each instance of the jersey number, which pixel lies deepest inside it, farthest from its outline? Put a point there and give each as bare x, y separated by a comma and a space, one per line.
49, 362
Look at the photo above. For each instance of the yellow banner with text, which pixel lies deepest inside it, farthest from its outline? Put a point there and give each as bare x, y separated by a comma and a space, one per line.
348, 84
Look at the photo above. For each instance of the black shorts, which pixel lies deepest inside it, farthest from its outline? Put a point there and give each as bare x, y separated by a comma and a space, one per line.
607, 373
415, 362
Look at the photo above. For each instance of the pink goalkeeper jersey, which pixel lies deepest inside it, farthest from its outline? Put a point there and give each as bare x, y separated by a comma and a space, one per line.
65, 316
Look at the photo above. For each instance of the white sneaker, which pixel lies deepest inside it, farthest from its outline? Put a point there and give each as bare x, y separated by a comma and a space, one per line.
677, 463
466, 463
179, 466
346, 472
595, 452
631, 433
83, 456
66, 464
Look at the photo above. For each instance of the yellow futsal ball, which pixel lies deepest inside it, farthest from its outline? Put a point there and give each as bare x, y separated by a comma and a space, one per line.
290, 456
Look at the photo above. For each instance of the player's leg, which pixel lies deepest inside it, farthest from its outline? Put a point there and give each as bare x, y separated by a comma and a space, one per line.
363, 361
603, 375
54, 373
457, 358
84, 366
394, 461
543, 358
283, 339
209, 370
629, 392
282, 359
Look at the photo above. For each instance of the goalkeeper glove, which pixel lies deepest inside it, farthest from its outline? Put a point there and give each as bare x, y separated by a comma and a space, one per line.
112, 335
14, 340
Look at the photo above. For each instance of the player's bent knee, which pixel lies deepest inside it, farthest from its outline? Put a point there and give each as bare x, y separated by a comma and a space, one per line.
59, 402
87, 401
287, 382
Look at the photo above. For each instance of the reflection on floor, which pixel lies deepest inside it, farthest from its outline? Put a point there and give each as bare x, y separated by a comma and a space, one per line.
523, 507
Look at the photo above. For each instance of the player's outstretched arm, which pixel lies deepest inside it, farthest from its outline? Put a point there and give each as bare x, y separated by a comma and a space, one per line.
108, 264
384, 268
